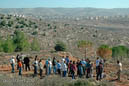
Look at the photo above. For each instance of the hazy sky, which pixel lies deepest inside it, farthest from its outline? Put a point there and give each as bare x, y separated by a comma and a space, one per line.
64, 3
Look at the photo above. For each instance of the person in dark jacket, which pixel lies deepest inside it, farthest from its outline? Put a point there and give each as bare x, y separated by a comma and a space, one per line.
27, 63
73, 70
99, 71
54, 63
18, 59
88, 68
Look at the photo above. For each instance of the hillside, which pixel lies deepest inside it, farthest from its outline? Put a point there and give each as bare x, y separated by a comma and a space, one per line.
111, 31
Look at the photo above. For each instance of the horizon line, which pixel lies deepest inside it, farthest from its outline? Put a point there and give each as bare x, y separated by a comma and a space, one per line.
61, 7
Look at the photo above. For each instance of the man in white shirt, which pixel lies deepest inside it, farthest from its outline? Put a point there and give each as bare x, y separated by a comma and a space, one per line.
41, 68
12, 62
119, 69
35, 64
64, 69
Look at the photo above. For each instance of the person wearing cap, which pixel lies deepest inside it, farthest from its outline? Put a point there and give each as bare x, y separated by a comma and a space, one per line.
12, 62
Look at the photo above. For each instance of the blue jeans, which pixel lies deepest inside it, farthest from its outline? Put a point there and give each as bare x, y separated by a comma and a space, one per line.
64, 73
12, 67
49, 70
54, 69
73, 75
35, 70
20, 71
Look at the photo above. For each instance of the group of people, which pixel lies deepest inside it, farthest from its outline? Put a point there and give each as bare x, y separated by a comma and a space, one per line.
63, 67
22, 62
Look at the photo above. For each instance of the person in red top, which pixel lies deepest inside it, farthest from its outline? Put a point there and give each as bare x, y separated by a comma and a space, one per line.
73, 70
69, 67
20, 67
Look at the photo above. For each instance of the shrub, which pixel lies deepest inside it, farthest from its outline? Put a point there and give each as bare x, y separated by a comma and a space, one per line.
60, 46
120, 51
8, 45
104, 51
3, 23
35, 33
17, 26
35, 46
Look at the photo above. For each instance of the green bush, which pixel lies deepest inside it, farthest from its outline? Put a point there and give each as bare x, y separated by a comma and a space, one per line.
120, 51
35, 33
20, 41
17, 26
35, 46
60, 46
3, 23
8, 45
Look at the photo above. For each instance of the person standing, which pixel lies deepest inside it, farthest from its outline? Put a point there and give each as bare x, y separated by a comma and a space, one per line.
27, 63
73, 70
119, 69
40, 68
47, 66
35, 65
97, 64
91, 70
77, 65
83, 62
88, 68
54, 62
70, 68
99, 71
20, 67
22, 59
12, 62
64, 69
17, 59
59, 67
80, 67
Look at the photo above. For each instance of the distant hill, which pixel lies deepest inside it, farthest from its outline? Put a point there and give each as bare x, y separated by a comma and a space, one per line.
66, 11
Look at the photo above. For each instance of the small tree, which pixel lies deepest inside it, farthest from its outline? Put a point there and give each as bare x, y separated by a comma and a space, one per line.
1, 45
21, 41
8, 45
83, 46
35, 46
104, 51
60, 46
